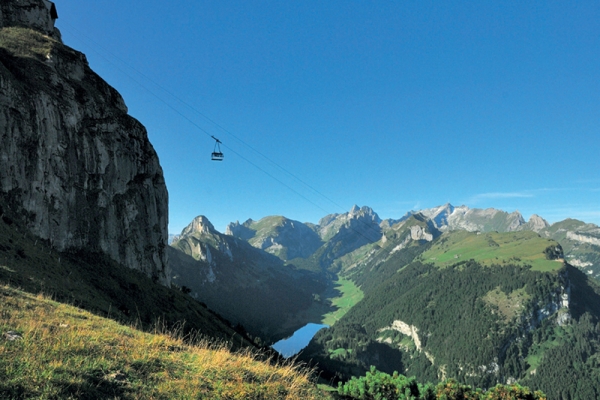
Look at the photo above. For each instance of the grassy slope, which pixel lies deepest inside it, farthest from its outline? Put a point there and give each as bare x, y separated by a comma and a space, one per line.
96, 283
517, 248
65, 352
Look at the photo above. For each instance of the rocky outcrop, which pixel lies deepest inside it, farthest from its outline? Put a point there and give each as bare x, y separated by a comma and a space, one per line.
363, 221
35, 14
199, 225
408, 330
197, 238
419, 233
535, 223
240, 231
416, 228
583, 238
83, 171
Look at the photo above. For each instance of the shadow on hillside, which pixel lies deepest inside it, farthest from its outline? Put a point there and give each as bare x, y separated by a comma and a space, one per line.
585, 294
95, 385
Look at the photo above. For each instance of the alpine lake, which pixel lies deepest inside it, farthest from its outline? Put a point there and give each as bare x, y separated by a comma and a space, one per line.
291, 346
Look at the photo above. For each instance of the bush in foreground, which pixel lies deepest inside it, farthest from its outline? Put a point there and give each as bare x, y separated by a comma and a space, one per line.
377, 385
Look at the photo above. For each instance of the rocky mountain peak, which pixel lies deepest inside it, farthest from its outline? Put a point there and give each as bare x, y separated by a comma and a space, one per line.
240, 231
516, 221
363, 212
199, 225
537, 223
357, 219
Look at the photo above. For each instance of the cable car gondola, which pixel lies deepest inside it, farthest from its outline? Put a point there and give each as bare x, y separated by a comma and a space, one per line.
216, 154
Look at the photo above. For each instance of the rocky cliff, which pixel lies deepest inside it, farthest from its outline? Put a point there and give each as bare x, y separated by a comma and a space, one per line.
71, 157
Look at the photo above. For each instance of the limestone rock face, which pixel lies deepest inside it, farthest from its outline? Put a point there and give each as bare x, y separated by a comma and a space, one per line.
200, 225
419, 233
241, 231
359, 220
583, 238
450, 218
280, 236
536, 224
82, 169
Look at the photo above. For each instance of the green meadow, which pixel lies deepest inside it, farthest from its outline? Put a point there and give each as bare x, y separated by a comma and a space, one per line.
350, 294
516, 248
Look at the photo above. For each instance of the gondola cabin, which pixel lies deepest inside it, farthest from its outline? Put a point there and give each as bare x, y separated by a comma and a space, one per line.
217, 155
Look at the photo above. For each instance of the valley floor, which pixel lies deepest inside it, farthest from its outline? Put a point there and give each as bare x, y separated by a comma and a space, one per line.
340, 296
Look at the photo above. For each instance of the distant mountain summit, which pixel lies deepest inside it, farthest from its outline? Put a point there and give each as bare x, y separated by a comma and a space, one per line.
277, 235
363, 221
199, 225
535, 224
450, 218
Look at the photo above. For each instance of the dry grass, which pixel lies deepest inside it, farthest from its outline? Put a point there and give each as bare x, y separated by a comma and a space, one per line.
24, 42
68, 353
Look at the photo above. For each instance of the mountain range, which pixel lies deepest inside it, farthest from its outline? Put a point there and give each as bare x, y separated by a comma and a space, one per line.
481, 295
336, 235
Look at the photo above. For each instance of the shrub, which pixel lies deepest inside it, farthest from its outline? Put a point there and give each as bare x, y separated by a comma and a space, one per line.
377, 385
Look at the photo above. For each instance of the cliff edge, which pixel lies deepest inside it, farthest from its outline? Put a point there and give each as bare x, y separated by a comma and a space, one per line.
82, 170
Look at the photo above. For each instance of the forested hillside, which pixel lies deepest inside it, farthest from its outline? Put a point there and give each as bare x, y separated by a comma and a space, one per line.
491, 318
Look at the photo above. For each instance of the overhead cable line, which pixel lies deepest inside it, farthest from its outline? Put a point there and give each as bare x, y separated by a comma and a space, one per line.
207, 118
177, 111
206, 132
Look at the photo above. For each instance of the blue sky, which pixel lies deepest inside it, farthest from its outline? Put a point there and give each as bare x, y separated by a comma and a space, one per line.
321, 105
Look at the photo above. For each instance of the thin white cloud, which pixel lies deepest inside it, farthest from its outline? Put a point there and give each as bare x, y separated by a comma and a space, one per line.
499, 195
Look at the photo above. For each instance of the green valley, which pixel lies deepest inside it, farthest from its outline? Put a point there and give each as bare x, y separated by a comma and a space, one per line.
349, 295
